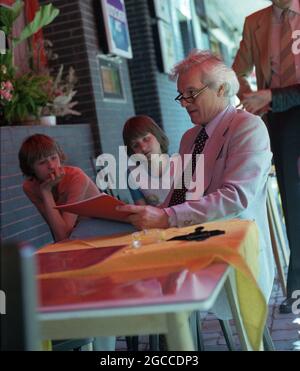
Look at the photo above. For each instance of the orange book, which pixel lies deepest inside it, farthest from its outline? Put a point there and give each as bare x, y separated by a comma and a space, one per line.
102, 206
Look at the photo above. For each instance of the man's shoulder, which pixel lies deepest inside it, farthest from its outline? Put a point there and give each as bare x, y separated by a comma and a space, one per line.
243, 119
244, 115
256, 16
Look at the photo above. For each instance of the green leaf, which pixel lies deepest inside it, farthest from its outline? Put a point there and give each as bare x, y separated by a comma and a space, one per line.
8, 16
17, 8
45, 15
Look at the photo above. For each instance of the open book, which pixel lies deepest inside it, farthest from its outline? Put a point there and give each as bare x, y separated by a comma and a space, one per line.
102, 206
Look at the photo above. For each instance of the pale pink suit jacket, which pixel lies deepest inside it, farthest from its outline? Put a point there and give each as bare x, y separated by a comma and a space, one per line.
237, 161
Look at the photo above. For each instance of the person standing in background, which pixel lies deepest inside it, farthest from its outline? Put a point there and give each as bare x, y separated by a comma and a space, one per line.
267, 46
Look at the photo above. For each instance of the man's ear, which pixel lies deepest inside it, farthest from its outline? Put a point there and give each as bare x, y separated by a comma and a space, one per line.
221, 91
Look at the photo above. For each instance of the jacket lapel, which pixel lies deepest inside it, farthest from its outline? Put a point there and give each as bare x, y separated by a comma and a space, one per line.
216, 142
210, 152
262, 37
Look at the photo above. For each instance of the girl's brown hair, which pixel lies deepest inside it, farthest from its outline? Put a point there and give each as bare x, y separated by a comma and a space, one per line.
34, 148
138, 126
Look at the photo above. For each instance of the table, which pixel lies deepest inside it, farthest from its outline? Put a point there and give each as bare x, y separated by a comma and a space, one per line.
78, 300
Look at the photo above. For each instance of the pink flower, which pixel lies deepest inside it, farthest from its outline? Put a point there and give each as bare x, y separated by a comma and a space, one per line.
6, 95
8, 85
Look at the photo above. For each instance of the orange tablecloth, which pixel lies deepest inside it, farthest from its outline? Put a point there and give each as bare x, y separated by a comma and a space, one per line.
238, 247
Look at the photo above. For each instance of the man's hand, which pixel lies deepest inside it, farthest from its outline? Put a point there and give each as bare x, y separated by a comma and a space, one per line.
146, 217
257, 102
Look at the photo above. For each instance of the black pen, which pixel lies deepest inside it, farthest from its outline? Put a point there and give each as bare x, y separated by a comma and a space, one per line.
204, 235
198, 236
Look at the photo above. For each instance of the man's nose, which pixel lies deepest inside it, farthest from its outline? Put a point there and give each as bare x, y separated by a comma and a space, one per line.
184, 103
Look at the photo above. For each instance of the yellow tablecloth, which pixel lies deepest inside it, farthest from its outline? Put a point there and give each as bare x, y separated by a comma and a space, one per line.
238, 247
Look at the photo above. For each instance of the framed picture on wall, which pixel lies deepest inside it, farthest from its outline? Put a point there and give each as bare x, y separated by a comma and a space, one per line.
162, 11
116, 28
110, 78
167, 46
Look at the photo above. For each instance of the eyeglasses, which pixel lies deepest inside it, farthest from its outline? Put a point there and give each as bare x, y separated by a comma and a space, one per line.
190, 98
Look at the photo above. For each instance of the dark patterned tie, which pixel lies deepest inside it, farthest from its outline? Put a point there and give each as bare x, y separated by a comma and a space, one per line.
287, 58
178, 196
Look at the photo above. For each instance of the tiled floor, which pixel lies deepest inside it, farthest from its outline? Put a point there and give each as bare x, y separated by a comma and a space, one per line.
284, 331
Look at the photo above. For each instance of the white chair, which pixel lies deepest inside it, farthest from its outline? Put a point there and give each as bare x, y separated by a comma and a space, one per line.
279, 244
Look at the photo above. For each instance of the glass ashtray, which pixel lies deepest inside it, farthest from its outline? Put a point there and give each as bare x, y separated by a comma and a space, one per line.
147, 236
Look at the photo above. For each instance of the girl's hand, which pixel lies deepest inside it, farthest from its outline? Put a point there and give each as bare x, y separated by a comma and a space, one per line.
257, 102
54, 178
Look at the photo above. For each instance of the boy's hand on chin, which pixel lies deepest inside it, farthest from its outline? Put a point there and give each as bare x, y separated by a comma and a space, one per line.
54, 178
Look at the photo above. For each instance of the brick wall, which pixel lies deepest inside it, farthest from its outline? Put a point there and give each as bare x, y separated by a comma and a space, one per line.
77, 35
153, 91
143, 66
19, 219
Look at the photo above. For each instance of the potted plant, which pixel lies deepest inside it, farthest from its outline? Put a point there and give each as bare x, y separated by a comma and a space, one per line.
22, 96
60, 92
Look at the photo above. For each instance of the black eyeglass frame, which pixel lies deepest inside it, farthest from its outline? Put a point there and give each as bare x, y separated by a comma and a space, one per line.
191, 98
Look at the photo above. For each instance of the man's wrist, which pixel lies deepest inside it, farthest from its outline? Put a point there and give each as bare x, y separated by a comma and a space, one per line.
172, 219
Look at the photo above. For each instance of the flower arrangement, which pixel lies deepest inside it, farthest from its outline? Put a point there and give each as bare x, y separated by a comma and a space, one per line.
36, 92
21, 97
60, 92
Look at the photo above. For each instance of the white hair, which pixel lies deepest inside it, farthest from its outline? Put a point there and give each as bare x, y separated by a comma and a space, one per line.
212, 71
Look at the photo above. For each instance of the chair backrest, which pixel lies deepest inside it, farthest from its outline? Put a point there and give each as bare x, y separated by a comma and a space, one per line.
19, 325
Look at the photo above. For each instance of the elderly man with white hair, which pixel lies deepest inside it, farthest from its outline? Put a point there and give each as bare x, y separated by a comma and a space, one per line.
237, 158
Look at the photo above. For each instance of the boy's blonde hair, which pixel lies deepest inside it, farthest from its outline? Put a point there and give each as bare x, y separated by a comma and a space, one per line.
36, 147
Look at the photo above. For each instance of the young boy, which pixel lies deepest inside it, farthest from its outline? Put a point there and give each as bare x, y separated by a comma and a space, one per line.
49, 183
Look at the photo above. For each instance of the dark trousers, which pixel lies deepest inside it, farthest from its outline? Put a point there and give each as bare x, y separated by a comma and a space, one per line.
284, 130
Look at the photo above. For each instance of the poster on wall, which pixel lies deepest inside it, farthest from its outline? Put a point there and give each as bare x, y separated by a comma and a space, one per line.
116, 27
167, 47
